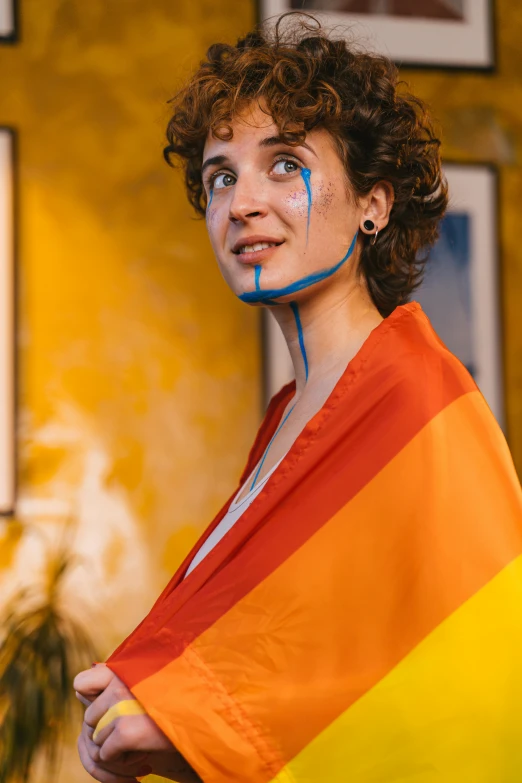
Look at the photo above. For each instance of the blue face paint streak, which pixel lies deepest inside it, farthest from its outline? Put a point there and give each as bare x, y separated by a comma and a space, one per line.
268, 299
306, 174
210, 199
258, 471
295, 310
252, 297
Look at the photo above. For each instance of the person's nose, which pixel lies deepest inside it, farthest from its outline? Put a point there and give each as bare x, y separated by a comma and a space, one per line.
248, 200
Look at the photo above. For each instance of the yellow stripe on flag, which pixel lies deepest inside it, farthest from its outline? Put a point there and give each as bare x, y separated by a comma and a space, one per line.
451, 711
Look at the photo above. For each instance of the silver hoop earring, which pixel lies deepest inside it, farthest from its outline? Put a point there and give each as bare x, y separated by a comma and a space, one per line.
374, 240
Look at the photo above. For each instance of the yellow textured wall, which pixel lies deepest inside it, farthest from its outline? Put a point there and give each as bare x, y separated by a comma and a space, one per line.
481, 118
138, 369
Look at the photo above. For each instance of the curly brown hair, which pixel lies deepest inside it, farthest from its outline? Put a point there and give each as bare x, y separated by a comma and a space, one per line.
304, 78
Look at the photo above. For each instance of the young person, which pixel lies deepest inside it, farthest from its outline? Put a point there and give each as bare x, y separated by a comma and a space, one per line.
354, 610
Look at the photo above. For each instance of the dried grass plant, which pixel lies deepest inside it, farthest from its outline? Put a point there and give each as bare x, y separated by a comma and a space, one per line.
42, 647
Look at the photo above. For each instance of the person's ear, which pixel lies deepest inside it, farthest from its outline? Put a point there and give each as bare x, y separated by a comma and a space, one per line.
376, 208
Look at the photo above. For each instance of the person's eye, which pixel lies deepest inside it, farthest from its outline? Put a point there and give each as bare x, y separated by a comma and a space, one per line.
286, 166
223, 180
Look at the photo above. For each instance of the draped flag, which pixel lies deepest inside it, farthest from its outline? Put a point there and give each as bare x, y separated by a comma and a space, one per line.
362, 621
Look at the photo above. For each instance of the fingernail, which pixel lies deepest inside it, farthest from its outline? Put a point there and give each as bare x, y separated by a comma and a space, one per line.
144, 771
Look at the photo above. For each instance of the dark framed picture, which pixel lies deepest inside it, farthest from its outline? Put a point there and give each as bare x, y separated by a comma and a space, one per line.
414, 33
8, 26
7, 323
460, 293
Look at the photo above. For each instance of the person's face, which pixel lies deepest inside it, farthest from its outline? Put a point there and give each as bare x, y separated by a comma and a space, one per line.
297, 199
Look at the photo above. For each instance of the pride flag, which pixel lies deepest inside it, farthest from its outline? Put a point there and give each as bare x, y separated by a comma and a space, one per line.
362, 622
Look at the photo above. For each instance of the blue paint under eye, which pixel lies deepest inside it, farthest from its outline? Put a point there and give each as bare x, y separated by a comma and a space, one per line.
295, 310
253, 297
306, 174
211, 197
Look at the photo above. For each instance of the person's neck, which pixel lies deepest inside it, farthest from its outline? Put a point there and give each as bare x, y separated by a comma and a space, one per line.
334, 325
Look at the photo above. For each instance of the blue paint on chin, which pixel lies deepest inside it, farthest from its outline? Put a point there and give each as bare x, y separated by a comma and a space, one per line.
295, 310
255, 297
257, 277
306, 174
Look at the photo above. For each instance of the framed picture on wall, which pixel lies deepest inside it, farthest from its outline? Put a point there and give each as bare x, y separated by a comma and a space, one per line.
7, 321
460, 293
8, 12
414, 33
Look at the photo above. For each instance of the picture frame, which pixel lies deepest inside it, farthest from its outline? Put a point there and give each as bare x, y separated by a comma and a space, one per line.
8, 21
460, 293
7, 321
443, 34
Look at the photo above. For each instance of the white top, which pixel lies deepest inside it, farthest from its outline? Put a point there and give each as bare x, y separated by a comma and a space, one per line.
235, 510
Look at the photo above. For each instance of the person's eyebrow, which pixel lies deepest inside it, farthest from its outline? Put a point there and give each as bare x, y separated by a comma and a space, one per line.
217, 160
270, 141
273, 141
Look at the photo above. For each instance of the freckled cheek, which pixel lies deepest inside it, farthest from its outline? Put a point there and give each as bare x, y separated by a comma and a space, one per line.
217, 225
214, 233
296, 204
211, 218
323, 201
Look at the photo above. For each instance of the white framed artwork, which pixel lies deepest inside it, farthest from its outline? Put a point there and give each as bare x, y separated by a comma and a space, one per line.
7, 21
460, 292
419, 33
7, 324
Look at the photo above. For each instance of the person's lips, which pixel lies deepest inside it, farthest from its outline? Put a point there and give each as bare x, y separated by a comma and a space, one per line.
254, 239
253, 249
256, 256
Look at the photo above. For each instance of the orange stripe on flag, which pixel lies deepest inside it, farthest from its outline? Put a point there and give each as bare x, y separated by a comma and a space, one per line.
432, 528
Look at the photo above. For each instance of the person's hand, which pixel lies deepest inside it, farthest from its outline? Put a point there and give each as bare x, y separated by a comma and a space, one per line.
126, 732
173, 766
167, 764
119, 765
131, 766
90, 683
